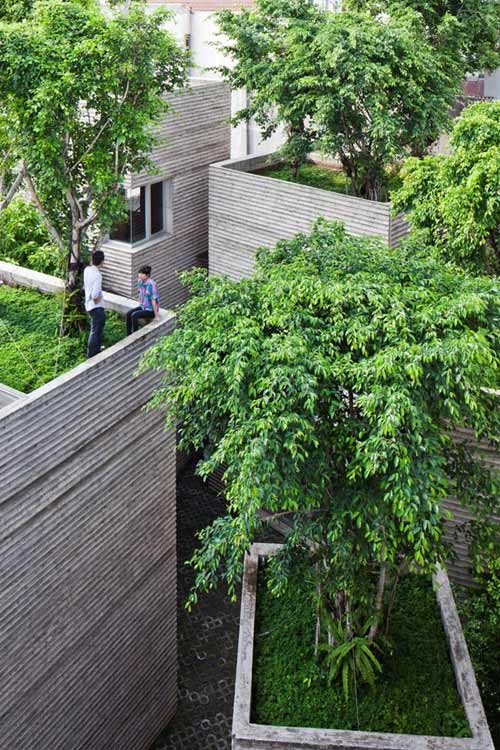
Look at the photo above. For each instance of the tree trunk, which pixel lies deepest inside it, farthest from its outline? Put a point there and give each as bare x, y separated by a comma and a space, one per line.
73, 319
379, 605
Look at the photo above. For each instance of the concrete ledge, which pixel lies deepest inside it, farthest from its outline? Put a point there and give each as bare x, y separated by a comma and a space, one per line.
20, 276
250, 736
248, 211
8, 395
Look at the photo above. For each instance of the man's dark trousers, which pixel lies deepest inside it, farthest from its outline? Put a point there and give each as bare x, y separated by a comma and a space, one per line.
97, 322
133, 318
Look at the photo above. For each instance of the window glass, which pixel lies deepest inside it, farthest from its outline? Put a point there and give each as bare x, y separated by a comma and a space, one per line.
156, 207
138, 217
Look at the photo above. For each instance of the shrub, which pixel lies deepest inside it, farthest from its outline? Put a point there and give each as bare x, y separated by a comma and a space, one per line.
453, 202
25, 241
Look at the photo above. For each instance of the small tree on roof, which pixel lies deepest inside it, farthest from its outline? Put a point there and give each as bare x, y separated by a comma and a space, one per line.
453, 202
366, 88
326, 385
82, 90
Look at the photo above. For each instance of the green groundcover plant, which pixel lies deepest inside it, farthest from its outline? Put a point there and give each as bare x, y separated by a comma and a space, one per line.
415, 694
31, 352
327, 385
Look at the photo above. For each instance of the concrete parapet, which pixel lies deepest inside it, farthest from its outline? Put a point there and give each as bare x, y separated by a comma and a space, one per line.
87, 555
250, 736
248, 211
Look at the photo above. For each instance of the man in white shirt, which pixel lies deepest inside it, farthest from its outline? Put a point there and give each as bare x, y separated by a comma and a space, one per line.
94, 302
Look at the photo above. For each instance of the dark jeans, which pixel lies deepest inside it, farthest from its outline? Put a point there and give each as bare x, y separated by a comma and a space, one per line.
97, 323
133, 318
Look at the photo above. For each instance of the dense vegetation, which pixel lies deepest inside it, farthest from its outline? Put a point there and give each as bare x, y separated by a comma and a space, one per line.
322, 385
416, 692
31, 353
24, 240
453, 202
326, 178
362, 86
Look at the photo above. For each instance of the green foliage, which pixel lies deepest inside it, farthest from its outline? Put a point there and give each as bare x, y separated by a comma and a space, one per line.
81, 89
361, 86
480, 613
453, 202
415, 694
324, 178
30, 352
322, 384
351, 657
475, 26
25, 241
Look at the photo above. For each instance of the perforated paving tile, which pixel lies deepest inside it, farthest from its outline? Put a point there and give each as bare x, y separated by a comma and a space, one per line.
207, 637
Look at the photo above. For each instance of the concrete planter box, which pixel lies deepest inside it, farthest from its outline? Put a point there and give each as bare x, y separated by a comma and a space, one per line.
249, 736
248, 211
87, 552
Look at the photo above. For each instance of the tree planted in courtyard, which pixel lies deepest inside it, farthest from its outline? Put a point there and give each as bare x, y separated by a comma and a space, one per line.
453, 202
81, 90
327, 386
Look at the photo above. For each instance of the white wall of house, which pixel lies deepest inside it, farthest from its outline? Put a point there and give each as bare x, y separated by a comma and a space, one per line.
492, 84
198, 30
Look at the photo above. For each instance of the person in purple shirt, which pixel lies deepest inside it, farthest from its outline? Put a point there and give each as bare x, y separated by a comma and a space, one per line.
149, 300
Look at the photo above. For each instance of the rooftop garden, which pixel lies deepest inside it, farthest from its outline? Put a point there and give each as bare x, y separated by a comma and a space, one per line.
31, 350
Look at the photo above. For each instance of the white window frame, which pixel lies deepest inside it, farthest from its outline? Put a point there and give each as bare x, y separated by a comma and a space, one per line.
167, 217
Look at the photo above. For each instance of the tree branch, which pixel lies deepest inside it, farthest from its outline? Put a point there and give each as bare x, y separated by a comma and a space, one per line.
50, 227
14, 187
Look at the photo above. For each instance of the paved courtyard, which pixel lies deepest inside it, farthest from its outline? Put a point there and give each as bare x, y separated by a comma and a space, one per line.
207, 638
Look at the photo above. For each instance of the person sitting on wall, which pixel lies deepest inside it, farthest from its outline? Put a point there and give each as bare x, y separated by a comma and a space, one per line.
149, 299
94, 302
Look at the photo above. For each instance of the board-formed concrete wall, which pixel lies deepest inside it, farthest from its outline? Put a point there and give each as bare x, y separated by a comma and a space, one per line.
87, 559
459, 569
248, 211
195, 134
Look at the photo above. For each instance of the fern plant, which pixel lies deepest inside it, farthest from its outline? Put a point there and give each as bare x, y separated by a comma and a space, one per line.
350, 656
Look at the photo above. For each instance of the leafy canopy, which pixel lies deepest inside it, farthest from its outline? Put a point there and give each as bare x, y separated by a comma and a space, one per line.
475, 26
82, 89
362, 87
453, 202
323, 385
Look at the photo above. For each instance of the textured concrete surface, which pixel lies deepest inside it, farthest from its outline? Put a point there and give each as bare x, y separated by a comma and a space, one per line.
192, 136
248, 211
87, 559
207, 637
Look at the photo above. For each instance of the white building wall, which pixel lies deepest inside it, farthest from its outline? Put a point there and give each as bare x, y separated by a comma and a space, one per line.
492, 84
198, 29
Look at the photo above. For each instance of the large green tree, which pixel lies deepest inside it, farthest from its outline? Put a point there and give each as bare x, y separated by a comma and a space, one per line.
327, 385
270, 51
82, 89
453, 202
363, 87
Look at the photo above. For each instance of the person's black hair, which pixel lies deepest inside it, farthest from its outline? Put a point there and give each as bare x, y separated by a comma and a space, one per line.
97, 258
145, 269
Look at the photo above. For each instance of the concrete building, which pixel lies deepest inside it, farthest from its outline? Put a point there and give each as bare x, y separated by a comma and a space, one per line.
88, 654
167, 226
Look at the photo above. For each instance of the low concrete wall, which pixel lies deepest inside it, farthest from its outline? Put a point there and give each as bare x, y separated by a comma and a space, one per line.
248, 211
87, 558
250, 736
